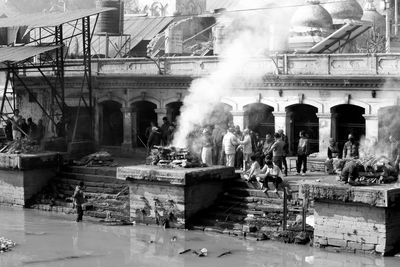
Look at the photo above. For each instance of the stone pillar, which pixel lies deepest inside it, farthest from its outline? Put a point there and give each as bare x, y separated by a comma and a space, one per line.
127, 120
238, 118
325, 122
280, 121
334, 126
161, 113
371, 126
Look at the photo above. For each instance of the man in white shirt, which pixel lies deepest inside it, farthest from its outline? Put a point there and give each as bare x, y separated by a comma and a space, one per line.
229, 143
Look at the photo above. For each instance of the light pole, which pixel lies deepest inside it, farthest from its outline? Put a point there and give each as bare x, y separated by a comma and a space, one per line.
385, 4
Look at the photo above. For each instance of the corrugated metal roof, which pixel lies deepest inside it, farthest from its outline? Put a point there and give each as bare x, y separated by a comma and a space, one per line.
145, 28
19, 53
137, 28
341, 37
38, 20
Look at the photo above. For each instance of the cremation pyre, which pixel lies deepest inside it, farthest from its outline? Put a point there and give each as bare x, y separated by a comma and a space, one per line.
367, 171
172, 157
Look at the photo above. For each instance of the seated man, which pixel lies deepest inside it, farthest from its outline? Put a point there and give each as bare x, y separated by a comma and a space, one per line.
270, 173
254, 170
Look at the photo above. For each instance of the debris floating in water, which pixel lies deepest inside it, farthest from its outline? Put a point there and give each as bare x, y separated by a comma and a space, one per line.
185, 251
6, 245
224, 254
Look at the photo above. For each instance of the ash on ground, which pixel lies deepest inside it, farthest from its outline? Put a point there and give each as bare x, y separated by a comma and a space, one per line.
172, 157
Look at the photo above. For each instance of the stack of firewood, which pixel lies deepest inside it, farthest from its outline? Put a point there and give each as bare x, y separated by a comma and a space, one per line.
173, 157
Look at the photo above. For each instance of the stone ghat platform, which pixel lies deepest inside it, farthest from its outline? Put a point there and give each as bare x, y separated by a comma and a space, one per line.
24, 175
355, 218
171, 197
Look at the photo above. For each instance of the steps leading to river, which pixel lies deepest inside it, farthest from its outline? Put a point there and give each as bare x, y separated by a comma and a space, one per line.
244, 208
106, 196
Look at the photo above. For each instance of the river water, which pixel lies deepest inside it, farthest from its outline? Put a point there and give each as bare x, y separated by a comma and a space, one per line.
48, 239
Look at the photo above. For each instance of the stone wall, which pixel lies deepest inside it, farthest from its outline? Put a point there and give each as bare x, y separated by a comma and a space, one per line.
17, 187
356, 227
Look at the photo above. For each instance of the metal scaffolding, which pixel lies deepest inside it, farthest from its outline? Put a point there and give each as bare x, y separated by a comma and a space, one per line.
45, 54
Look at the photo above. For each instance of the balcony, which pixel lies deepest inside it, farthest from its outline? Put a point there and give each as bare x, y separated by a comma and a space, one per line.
287, 64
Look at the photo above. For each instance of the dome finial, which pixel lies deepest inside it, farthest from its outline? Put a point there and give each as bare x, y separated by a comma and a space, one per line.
369, 5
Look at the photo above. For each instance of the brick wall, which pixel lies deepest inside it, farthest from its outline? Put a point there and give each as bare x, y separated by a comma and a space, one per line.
350, 226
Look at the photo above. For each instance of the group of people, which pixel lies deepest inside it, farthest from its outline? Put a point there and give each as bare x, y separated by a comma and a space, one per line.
350, 151
261, 160
18, 127
160, 136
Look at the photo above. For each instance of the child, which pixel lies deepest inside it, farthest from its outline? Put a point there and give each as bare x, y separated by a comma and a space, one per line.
254, 170
270, 173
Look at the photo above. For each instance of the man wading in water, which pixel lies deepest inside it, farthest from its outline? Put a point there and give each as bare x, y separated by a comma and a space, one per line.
78, 201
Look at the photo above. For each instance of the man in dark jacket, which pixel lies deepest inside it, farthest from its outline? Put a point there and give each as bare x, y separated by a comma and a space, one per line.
165, 131
79, 199
154, 138
350, 149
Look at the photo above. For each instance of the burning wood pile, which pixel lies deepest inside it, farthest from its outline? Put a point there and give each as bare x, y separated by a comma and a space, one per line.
24, 146
367, 171
172, 157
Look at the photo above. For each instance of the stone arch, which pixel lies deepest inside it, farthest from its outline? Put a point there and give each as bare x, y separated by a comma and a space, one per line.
264, 101
259, 118
365, 106
147, 98
310, 102
170, 100
302, 117
230, 103
110, 122
111, 97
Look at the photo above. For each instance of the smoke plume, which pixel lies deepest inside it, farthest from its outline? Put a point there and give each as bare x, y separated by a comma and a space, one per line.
248, 35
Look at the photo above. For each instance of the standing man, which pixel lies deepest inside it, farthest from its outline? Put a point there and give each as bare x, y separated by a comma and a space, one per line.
351, 148
16, 125
217, 136
32, 129
165, 131
229, 143
206, 149
303, 149
394, 155
79, 200
247, 148
40, 131
285, 150
277, 150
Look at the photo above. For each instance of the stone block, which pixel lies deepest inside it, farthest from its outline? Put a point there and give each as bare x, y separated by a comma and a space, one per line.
368, 247
337, 242
354, 245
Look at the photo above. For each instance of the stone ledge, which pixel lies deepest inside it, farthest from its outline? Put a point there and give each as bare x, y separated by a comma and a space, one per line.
386, 195
175, 176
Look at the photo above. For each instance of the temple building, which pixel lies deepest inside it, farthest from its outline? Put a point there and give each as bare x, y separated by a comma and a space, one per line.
323, 74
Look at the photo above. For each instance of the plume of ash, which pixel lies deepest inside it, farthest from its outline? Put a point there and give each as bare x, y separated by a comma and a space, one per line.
247, 37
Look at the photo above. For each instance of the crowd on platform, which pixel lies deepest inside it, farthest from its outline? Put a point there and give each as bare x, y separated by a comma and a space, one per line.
18, 128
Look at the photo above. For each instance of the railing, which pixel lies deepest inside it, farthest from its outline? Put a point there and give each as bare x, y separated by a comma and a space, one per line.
287, 64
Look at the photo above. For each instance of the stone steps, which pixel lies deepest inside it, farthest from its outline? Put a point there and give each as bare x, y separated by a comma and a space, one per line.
104, 193
245, 208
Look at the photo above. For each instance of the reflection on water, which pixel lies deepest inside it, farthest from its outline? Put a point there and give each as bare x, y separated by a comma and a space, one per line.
46, 239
